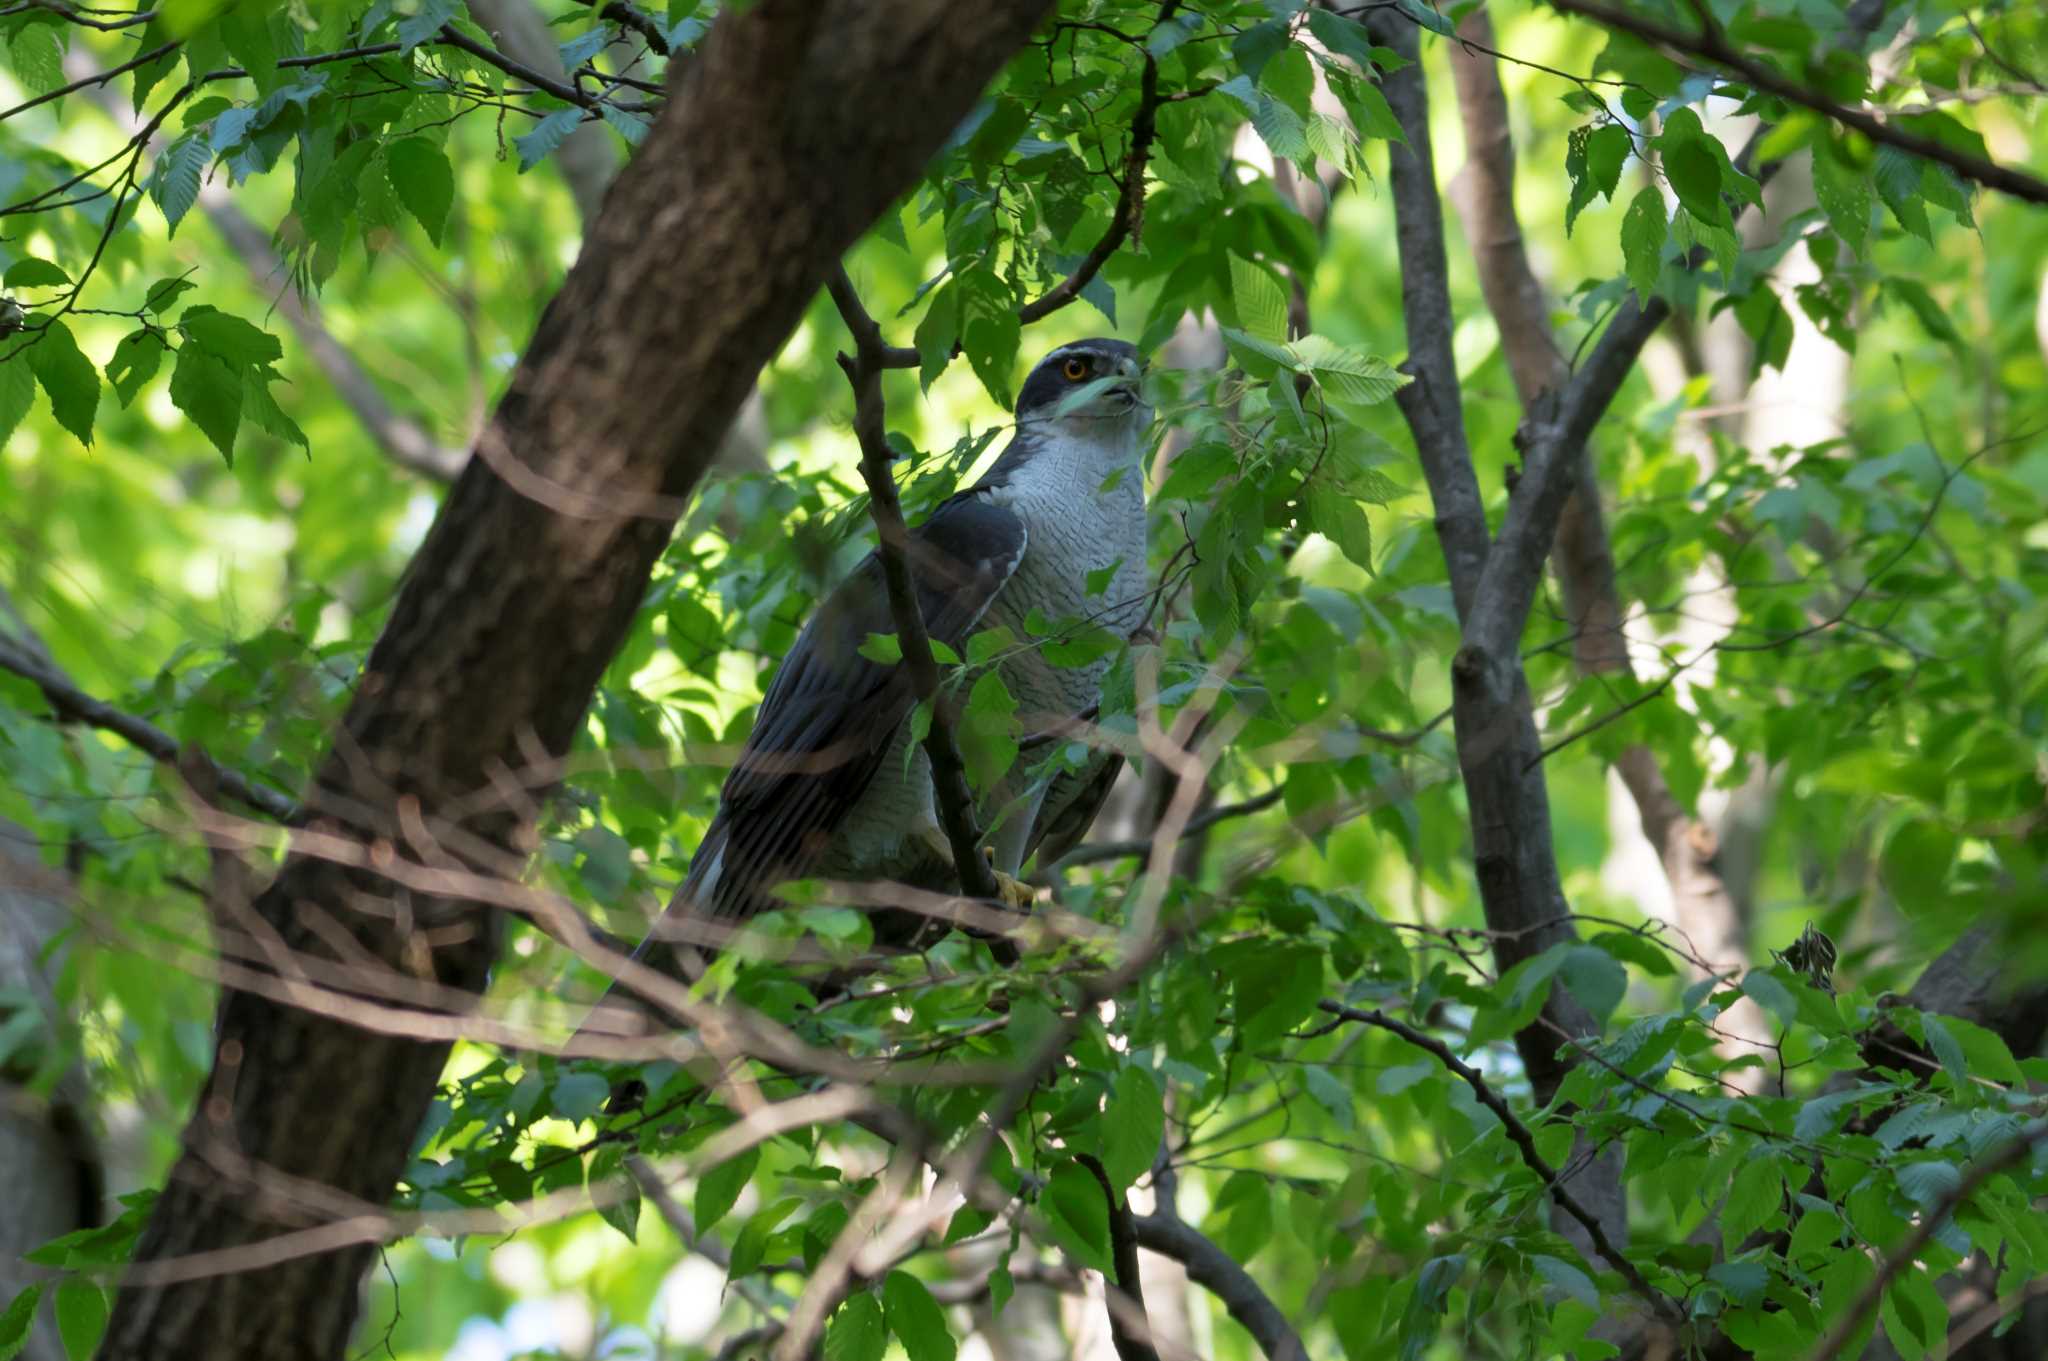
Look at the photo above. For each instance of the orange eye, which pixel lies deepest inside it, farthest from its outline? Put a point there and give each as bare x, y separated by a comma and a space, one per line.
1075, 369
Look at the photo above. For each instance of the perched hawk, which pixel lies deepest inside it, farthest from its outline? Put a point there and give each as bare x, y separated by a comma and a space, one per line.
830, 783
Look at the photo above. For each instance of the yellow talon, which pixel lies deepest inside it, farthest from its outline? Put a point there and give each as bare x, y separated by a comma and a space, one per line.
1015, 893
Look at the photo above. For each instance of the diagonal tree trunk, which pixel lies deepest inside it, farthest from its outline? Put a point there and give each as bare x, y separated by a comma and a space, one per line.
710, 246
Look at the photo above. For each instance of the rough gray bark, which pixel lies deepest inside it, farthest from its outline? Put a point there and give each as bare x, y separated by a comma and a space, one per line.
1493, 583
47, 1162
704, 258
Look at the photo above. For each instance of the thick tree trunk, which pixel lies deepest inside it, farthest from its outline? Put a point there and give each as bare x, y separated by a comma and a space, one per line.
786, 134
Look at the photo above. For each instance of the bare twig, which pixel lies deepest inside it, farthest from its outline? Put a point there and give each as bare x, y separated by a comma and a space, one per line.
1711, 46
1131, 1344
949, 774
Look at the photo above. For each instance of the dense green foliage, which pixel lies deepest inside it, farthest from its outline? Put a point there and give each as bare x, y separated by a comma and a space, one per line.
1843, 635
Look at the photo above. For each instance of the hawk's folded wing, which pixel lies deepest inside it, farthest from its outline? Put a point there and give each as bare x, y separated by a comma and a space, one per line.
830, 713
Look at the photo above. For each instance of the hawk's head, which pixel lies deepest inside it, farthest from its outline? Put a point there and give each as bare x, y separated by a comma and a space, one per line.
1085, 383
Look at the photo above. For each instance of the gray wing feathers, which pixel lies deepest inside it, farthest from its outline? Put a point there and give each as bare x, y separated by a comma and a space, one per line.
830, 713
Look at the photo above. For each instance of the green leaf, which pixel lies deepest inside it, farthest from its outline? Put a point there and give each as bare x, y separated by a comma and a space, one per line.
1260, 301
549, 133
17, 1320
38, 58
425, 182
938, 331
1595, 979
988, 737
578, 1096
164, 292
720, 1187
1695, 176
30, 272
1756, 1196
81, 1318
1132, 1124
750, 1248
17, 394
68, 379
1643, 229
916, 1319
1275, 988
989, 332
1946, 1050
1342, 521
619, 1205
1567, 1278
1768, 991
210, 394
1915, 865
884, 649
262, 408
1931, 314
1844, 195
175, 185
425, 21
1078, 1215
630, 126
245, 29
136, 360
230, 339
857, 1332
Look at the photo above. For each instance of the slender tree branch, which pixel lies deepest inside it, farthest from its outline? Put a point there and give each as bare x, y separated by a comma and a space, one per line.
1131, 1344
1216, 1271
73, 705
145, 59
949, 775
1710, 45
1099, 851
1666, 1308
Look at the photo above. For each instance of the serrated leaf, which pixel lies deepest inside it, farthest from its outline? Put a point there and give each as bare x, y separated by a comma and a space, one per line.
1340, 519
620, 1206
30, 272
1946, 1050
1073, 1205
260, 406
578, 1096
857, 1332
175, 186
884, 649
424, 181
1643, 229
719, 1188
68, 379
631, 126
210, 395
549, 133
233, 341
1844, 195
1281, 129
1260, 301
136, 360
164, 292
38, 58
425, 22
1132, 1124
916, 1319
1695, 175
989, 332
1756, 1195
